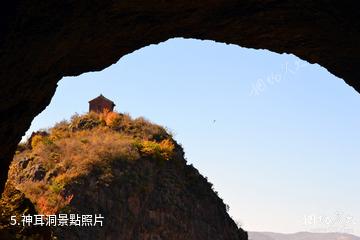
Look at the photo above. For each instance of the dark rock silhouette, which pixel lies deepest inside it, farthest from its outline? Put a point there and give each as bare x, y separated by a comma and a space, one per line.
128, 170
154, 201
14, 203
42, 41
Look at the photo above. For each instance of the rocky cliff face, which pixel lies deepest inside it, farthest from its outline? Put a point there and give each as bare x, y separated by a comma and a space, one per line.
15, 203
42, 41
149, 200
130, 171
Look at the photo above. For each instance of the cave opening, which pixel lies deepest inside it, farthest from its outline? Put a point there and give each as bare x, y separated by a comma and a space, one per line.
272, 137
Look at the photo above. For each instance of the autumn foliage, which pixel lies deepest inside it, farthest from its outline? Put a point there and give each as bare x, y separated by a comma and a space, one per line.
72, 148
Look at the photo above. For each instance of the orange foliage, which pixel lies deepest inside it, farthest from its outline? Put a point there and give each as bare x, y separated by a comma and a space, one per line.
73, 148
109, 117
49, 205
163, 150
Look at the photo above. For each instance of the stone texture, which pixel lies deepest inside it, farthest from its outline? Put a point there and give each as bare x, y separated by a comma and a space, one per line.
150, 200
42, 41
39, 173
141, 195
14, 203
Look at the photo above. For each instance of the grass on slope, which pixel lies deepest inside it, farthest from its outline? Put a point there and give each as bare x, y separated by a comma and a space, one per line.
53, 158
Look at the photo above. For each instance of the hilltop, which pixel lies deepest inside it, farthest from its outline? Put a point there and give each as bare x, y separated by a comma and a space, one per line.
130, 171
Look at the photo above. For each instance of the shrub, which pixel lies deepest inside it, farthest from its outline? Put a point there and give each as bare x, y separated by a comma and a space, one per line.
47, 141
21, 147
85, 122
110, 118
56, 187
36, 140
92, 141
163, 150
60, 130
149, 131
51, 204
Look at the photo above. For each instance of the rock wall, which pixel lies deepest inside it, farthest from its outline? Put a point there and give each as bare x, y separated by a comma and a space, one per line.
128, 170
42, 41
143, 200
151, 200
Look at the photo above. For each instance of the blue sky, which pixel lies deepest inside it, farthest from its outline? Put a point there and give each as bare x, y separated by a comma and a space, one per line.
278, 137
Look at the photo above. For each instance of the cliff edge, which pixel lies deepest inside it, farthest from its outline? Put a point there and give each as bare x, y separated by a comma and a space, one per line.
128, 172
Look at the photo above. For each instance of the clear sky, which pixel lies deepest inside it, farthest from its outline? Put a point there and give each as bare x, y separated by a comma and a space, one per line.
278, 137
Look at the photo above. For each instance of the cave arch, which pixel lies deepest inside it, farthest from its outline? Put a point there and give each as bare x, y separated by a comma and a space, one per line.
42, 41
